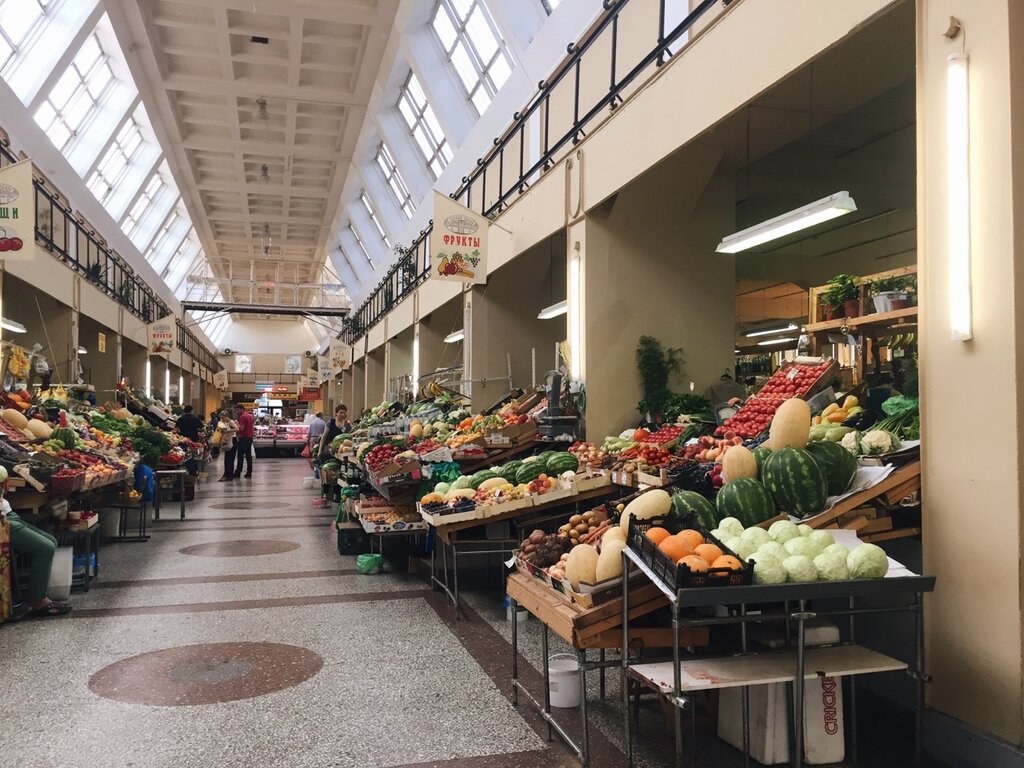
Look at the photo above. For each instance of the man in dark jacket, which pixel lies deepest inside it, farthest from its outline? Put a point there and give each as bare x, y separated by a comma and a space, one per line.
189, 425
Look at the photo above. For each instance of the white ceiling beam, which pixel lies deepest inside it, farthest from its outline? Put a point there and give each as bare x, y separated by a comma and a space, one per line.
254, 89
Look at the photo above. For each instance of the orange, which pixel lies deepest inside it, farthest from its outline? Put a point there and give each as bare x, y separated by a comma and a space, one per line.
657, 534
691, 537
727, 561
694, 563
675, 547
708, 551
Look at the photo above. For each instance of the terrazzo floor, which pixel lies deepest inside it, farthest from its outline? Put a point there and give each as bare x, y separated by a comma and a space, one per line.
402, 683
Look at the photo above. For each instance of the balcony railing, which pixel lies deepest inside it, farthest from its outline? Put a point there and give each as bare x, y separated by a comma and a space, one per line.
503, 173
78, 247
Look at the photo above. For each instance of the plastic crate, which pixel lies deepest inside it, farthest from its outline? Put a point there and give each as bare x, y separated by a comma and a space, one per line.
67, 483
680, 577
352, 539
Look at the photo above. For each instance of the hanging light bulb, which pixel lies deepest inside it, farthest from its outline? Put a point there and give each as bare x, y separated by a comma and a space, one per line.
261, 109
264, 174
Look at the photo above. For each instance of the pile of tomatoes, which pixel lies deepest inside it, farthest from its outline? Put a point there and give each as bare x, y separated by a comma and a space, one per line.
757, 412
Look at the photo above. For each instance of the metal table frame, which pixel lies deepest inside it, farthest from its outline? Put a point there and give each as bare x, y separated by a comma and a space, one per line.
800, 594
158, 491
504, 547
85, 536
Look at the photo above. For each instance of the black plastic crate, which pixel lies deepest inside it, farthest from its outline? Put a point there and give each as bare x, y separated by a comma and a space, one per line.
352, 539
680, 577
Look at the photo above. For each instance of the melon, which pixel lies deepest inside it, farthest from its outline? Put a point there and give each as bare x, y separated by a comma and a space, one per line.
428, 498
42, 430
791, 425
581, 565
738, 462
795, 481
837, 463
14, 417
492, 484
653, 503
745, 499
416, 431
460, 493
609, 562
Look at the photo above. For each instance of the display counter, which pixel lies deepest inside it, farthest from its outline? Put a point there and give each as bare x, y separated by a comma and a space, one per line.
290, 438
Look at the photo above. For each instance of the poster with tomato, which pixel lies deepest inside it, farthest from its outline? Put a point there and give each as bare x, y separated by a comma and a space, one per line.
458, 243
163, 335
17, 212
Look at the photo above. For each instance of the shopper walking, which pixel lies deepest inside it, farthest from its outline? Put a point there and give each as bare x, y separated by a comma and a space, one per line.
317, 425
245, 435
228, 429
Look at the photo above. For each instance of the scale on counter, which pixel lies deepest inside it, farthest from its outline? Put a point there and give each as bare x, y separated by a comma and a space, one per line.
551, 422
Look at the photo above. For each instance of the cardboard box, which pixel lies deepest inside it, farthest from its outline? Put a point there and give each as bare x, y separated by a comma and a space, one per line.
628, 479
437, 520
512, 505
397, 472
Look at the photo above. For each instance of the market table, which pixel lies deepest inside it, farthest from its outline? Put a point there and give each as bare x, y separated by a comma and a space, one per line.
677, 679
448, 535
177, 475
87, 540
582, 628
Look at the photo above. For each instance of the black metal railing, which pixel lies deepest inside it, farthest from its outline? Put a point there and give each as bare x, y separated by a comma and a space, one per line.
81, 249
503, 173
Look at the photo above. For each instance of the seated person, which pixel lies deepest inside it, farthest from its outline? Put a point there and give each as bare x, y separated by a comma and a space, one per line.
39, 546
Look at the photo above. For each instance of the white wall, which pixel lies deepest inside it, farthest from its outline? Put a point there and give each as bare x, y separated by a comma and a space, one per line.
285, 337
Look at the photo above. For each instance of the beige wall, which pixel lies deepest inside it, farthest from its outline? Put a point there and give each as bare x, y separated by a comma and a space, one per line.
400, 354
358, 402
444, 319
376, 381
972, 539
650, 267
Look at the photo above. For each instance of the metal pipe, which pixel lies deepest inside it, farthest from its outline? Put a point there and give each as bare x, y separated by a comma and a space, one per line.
547, 679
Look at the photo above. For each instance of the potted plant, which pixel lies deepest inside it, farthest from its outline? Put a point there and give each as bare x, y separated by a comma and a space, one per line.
656, 364
889, 293
841, 296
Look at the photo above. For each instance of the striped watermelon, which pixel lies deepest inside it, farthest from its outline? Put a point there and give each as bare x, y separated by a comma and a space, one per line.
530, 470
795, 481
761, 454
746, 499
838, 464
687, 503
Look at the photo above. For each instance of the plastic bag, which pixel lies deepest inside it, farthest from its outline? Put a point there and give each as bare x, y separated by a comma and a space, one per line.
369, 564
305, 451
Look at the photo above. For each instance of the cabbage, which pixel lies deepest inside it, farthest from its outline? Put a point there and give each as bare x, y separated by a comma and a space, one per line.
756, 536
831, 567
805, 530
742, 548
868, 561
720, 535
783, 530
836, 549
442, 488
821, 539
800, 568
768, 570
801, 546
730, 526
774, 549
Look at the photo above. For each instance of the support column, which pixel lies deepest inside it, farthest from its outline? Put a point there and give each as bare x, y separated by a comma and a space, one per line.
974, 633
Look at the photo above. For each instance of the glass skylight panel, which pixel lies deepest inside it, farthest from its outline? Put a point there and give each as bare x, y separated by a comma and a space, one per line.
368, 205
423, 125
145, 199
18, 20
77, 94
115, 162
471, 41
359, 242
550, 5
164, 242
394, 179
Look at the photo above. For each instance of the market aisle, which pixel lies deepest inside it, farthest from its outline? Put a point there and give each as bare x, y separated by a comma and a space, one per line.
284, 655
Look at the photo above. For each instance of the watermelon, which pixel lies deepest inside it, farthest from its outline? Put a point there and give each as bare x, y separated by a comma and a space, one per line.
530, 470
761, 454
484, 474
508, 471
795, 481
837, 463
543, 456
746, 499
560, 462
686, 504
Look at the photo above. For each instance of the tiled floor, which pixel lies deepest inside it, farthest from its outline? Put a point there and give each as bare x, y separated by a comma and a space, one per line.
402, 683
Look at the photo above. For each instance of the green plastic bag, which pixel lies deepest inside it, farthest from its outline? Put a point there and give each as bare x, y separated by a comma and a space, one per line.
369, 564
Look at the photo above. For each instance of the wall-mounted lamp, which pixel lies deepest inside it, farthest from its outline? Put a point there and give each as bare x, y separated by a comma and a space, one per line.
806, 216
958, 213
455, 337
574, 322
82, 350
12, 326
556, 309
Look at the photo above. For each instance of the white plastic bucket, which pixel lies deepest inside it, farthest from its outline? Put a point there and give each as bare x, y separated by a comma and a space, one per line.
59, 587
521, 613
564, 676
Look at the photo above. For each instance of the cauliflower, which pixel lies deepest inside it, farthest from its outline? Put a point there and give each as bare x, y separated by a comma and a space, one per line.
851, 442
878, 441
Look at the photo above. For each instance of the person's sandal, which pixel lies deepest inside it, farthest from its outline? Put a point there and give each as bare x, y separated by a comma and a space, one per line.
50, 609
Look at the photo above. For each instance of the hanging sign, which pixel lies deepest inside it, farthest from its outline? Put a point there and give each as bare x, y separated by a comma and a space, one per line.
323, 367
458, 243
339, 358
309, 394
101, 342
17, 212
220, 380
163, 334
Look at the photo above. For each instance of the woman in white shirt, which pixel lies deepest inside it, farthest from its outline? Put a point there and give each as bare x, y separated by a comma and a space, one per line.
228, 430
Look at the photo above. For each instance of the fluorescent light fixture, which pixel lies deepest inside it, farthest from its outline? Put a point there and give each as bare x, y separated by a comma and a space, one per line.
772, 342
958, 181
555, 310
82, 350
807, 216
181, 388
736, 351
452, 338
167, 384
149, 378
12, 326
770, 331
574, 321
416, 362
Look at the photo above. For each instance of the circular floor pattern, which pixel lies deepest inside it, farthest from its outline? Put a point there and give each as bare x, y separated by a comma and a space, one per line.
240, 548
250, 505
205, 674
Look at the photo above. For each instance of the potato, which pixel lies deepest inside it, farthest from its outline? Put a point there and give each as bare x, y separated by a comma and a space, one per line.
574, 535
591, 529
575, 520
588, 516
582, 527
